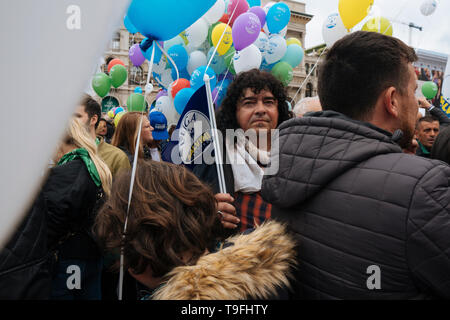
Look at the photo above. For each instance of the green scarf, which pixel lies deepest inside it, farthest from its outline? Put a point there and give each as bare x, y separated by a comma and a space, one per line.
424, 150
83, 154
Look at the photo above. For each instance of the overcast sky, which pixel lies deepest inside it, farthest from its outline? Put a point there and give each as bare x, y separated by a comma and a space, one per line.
436, 28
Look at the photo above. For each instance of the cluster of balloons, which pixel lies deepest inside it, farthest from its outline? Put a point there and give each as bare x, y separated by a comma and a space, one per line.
352, 12
116, 114
235, 35
101, 83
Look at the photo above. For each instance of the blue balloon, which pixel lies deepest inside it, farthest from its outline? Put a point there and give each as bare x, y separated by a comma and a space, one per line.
278, 17
148, 53
222, 89
218, 62
184, 74
254, 3
138, 90
182, 99
197, 77
163, 20
294, 55
267, 67
129, 26
179, 55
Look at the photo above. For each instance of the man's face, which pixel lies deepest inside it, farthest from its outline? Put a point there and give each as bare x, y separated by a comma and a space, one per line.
408, 109
257, 111
427, 133
82, 115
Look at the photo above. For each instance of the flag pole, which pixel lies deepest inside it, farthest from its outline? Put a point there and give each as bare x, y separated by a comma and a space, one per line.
217, 148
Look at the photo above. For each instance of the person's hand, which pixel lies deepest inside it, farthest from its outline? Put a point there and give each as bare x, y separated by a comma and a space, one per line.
423, 103
226, 210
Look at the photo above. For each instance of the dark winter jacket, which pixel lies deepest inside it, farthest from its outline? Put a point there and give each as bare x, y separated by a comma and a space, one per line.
73, 200
357, 203
24, 262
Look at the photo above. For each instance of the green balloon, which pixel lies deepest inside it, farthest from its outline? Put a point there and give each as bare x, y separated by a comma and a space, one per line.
283, 71
429, 89
228, 57
118, 75
101, 84
136, 102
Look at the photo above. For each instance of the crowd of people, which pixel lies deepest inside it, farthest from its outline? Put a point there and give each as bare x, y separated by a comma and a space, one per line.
357, 208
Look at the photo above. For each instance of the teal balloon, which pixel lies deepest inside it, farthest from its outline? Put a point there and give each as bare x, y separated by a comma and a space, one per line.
136, 102
294, 55
182, 98
118, 75
128, 25
284, 72
429, 89
198, 75
101, 84
217, 63
163, 20
254, 3
278, 17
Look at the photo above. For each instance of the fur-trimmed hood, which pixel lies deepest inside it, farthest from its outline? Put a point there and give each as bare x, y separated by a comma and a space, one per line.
253, 268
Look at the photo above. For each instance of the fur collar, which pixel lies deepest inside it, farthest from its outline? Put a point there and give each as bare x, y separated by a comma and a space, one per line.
252, 268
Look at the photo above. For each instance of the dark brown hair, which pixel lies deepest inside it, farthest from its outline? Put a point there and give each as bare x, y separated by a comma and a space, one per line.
126, 132
441, 147
91, 107
358, 68
171, 213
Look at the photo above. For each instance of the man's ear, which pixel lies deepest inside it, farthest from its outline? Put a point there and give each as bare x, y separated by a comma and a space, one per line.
391, 102
94, 120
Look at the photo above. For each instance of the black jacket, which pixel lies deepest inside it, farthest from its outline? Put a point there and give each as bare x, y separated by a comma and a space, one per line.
355, 201
73, 200
24, 262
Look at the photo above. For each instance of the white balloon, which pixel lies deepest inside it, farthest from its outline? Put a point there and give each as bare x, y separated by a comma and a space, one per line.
28, 144
276, 49
247, 59
281, 33
333, 29
216, 12
262, 42
428, 7
197, 33
165, 105
196, 59
446, 88
172, 42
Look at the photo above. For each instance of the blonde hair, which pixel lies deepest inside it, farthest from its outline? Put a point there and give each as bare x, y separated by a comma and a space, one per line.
78, 136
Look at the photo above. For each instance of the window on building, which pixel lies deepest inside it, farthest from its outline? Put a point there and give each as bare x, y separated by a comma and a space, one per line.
309, 90
307, 68
136, 76
115, 43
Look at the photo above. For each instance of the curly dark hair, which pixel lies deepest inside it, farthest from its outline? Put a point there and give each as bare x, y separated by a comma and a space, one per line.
256, 80
172, 213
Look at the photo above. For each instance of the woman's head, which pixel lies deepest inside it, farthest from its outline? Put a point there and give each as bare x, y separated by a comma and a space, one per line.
172, 213
77, 137
102, 128
127, 131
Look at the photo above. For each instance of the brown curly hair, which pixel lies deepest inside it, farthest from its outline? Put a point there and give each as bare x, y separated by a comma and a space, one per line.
171, 213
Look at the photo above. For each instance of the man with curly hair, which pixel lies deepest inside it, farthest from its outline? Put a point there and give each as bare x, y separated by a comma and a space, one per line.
254, 106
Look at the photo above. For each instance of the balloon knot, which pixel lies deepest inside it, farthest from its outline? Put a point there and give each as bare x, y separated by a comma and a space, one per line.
146, 44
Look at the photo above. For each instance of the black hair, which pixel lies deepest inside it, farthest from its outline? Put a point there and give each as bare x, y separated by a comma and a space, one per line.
441, 146
92, 108
358, 68
256, 80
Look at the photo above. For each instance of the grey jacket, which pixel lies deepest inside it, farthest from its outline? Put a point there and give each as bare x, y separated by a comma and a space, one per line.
371, 222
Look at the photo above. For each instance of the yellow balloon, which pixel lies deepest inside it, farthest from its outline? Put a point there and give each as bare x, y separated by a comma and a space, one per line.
380, 25
353, 11
118, 117
293, 41
111, 114
227, 39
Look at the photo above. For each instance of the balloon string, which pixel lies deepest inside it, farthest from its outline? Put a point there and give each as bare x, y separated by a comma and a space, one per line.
130, 193
150, 70
221, 84
308, 76
170, 59
216, 47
